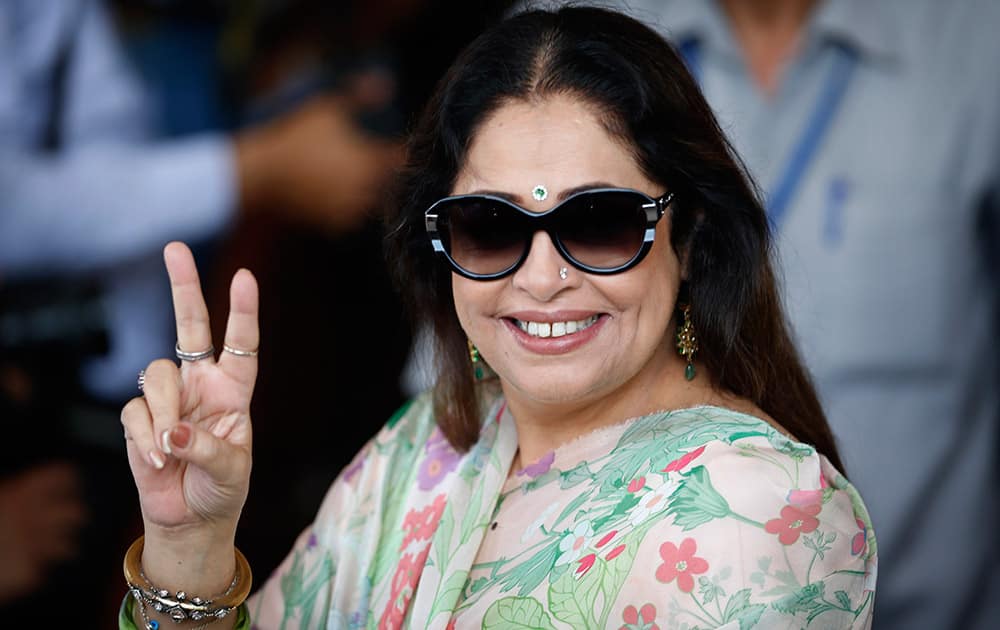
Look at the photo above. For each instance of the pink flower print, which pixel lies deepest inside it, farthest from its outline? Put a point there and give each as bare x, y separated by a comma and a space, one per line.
419, 525
441, 459
636, 485
585, 563
573, 543
678, 464
681, 563
540, 467
642, 619
404, 583
794, 521
606, 539
803, 498
614, 553
860, 540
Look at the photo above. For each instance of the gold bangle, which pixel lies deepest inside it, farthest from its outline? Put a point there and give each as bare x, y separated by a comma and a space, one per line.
180, 606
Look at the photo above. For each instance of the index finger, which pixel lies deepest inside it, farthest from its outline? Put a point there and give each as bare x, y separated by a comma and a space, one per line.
193, 331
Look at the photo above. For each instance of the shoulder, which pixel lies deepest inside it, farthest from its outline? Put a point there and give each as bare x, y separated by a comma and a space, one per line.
760, 521
409, 454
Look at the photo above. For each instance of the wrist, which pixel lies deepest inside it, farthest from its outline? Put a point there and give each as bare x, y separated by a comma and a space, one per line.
194, 560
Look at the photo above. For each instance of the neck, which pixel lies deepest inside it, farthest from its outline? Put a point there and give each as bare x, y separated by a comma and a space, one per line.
542, 426
769, 33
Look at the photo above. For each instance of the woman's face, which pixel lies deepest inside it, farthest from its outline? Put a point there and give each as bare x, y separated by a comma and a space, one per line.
560, 144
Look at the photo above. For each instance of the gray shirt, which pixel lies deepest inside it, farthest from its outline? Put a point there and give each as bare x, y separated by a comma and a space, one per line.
108, 201
888, 251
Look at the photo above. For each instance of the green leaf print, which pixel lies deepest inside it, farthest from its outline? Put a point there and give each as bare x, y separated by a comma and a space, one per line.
442, 538
696, 502
543, 480
528, 575
616, 570
391, 422
740, 609
470, 522
579, 500
300, 590
449, 593
843, 599
516, 613
572, 599
576, 475
806, 599
795, 450
709, 590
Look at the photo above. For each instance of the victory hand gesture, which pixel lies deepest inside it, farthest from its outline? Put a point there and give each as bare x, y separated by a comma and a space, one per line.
189, 435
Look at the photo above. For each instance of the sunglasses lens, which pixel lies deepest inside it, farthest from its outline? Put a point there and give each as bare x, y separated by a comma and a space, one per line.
603, 229
483, 236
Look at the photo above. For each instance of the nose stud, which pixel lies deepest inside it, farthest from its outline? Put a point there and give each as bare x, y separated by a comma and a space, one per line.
563, 273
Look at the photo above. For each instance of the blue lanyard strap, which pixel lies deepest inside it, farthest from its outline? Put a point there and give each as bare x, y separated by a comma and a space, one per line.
825, 110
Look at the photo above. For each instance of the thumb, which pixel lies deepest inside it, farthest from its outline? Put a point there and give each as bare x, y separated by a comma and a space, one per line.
226, 463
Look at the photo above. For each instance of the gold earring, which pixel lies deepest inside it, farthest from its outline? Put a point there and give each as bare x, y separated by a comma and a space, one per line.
477, 363
687, 342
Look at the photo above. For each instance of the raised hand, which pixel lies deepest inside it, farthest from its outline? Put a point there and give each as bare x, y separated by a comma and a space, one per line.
189, 436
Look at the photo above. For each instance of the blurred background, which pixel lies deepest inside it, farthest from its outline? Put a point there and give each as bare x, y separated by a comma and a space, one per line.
261, 132
264, 134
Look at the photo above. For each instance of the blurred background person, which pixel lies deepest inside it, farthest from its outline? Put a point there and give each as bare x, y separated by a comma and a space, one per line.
874, 131
266, 132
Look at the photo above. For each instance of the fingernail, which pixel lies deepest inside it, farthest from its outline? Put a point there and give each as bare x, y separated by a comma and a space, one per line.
180, 436
165, 440
156, 459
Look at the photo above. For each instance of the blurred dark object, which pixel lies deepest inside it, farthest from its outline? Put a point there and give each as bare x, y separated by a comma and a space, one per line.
52, 317
41, 513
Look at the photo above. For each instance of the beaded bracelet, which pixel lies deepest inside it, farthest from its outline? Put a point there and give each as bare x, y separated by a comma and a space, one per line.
179, 606
126, 617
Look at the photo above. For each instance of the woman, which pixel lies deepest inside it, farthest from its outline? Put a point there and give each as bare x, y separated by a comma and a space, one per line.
621, 433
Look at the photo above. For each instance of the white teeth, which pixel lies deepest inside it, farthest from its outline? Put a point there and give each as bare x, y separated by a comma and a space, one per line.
555, 329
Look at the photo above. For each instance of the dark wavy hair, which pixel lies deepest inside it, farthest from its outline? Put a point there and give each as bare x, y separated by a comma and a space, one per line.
644, 96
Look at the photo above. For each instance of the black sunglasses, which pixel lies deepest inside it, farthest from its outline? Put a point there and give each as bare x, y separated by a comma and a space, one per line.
600, 231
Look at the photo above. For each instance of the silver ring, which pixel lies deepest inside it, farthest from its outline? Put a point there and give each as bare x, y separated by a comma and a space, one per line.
240, 353
563, 273
141, 381
193, 356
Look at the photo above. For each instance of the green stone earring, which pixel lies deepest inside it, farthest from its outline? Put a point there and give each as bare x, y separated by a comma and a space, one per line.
687, 342
477, 362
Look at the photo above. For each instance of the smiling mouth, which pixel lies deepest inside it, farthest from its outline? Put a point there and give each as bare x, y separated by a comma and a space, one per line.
555, 329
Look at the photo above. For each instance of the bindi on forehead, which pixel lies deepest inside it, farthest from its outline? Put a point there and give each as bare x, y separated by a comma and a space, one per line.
537, 195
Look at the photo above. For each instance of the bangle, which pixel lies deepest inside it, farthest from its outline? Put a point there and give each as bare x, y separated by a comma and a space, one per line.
126, 616
179, 606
